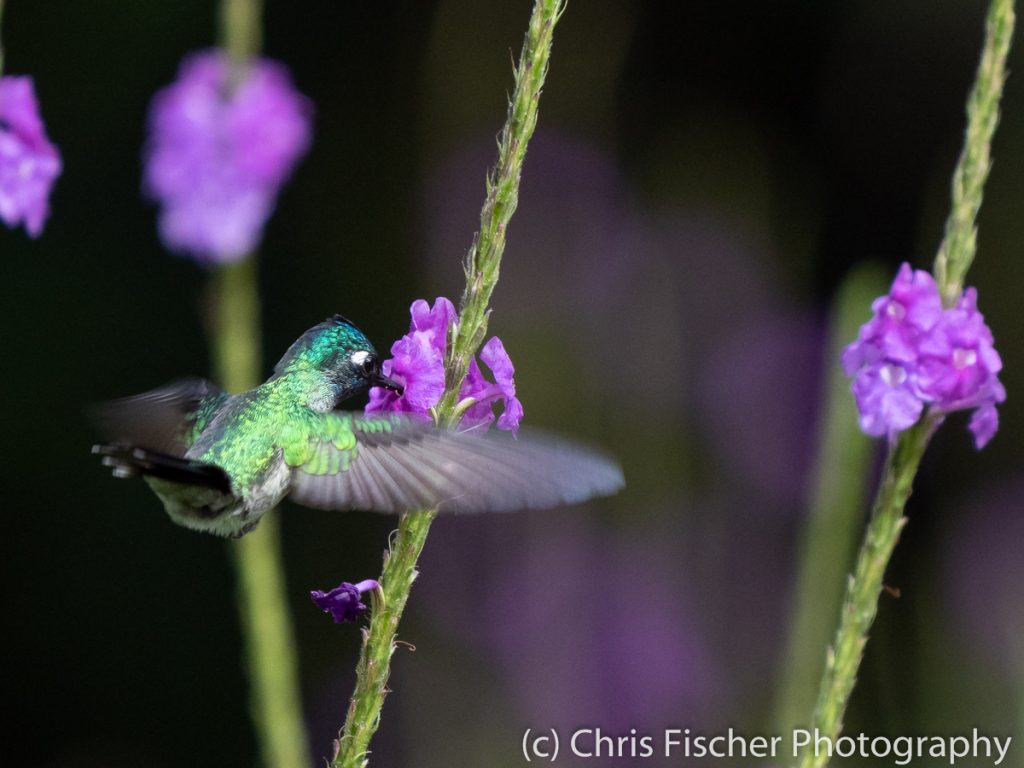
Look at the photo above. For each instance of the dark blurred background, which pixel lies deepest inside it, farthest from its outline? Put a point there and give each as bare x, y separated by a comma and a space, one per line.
703, 178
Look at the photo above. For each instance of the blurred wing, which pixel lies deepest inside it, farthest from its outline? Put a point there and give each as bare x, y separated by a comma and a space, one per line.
168, 419
396, 464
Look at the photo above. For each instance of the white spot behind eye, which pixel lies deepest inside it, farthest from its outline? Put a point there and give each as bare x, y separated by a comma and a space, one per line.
358, 358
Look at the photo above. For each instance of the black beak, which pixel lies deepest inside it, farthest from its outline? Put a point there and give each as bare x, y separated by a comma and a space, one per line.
380, 380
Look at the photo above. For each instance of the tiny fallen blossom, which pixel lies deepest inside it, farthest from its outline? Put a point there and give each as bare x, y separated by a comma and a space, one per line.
417, 362
217, 153
914, 354
344, 602
29, 163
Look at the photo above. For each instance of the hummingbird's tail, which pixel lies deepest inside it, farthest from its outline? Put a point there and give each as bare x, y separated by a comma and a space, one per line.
131, 461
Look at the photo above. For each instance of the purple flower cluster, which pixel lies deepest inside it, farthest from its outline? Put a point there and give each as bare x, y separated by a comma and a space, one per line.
29, 163
344, 602
218, 153
418, 363
914, 354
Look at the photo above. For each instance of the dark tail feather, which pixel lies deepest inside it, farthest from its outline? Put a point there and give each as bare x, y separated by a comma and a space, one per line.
129, 461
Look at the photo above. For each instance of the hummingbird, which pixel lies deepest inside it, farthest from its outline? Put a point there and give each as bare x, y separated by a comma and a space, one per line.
219, 462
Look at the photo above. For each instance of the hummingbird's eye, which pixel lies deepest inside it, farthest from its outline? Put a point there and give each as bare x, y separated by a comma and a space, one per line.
370, 365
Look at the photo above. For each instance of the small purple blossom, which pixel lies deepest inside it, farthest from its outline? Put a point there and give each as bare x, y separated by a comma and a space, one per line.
418, 363
433, 322
480, 415
29, 163
420, 369
913, 354
901, 318
958, 361
216, 156
485, 393
886, 399
344, 602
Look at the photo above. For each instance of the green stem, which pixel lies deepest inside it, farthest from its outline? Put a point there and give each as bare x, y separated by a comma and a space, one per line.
241, 30
834, 520
236, 340
951, 263
271, 660
865, 585
374, 666
483, 261
275, 703
482, 268
960, 240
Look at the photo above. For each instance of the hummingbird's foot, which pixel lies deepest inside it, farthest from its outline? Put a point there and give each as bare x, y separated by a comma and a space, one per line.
131, 461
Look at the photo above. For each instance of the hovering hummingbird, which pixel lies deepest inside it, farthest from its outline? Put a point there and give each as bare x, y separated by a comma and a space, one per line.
219, 462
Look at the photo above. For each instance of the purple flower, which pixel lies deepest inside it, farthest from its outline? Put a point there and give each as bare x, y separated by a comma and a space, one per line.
984, 424
433, 322
343, 602
216, 155
908, 312
418, 363
886, 399
913, 354
485, 393
29, 163
481, 414
958, 360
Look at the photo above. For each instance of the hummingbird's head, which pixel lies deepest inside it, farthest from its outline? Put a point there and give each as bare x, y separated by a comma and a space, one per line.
341, 359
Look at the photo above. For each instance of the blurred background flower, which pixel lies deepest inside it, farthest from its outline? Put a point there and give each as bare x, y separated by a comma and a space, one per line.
703, 178
29, 163
221, 143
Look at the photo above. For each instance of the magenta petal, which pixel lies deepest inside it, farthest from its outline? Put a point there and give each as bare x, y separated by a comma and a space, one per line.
917, 292
20, 108
419, 367
418, 363
901, 318
476, 386
433, 321
886, 400
215, 158
497, 359
29, 163
914, 353
958, 363
382, 401
511, 416
984, 424
270, 124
